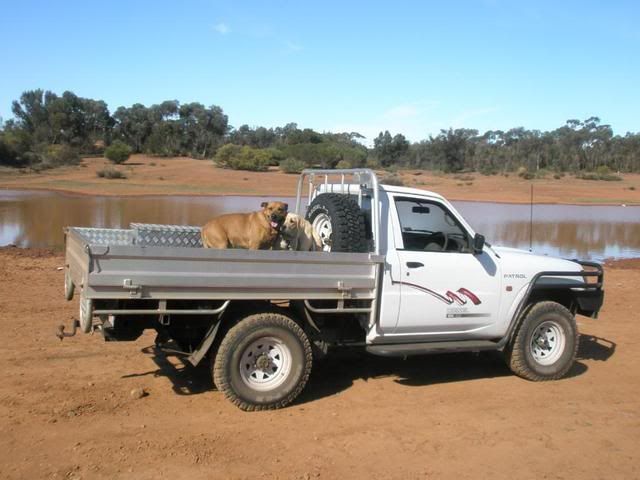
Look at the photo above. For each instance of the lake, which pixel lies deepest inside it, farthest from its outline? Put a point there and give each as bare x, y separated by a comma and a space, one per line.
36, 219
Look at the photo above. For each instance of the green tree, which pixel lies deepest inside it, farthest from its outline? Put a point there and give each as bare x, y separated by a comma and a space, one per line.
390, 150
118, 152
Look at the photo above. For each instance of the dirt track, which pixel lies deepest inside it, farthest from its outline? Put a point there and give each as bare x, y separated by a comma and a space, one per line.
66, 409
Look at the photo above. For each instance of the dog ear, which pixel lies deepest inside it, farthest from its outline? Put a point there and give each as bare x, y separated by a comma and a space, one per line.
286, 207
263, 204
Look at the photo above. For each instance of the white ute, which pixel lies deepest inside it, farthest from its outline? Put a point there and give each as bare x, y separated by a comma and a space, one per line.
402, 273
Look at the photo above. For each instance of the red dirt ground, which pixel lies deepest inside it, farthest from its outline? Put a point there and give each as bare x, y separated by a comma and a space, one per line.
187, 176
66, 409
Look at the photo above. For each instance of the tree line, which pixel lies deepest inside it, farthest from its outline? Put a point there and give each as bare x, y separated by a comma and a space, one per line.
48, 130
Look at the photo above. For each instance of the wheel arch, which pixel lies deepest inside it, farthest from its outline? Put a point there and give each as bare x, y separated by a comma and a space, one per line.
565, 297
238, 310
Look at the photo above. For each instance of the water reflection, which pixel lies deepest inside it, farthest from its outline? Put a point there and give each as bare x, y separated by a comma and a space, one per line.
36, 219
588, 232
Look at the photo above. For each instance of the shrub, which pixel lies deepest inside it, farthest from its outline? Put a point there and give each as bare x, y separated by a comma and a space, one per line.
56, 155
372, 163
541, 173
8, 154
345, 164
243, 158
110, 173
488, 170
607, 177
118, 152
292, 165
393, 179
464, 178
632, 187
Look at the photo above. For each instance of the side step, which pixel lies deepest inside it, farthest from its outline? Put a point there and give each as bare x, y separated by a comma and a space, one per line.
406, 349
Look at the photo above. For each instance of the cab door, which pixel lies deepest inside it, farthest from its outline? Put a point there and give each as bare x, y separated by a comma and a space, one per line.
446, 290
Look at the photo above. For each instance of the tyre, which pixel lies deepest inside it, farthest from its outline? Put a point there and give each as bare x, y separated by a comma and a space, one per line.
85, 314
339, 222
545, 344
69, 286
263, 362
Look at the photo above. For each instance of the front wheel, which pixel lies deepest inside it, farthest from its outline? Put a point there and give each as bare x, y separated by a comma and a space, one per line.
546, 343
263, 362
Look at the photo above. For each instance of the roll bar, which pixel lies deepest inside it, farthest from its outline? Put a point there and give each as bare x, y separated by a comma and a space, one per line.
349, 181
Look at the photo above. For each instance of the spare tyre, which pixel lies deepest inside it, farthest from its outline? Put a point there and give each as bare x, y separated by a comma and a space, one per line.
339, 221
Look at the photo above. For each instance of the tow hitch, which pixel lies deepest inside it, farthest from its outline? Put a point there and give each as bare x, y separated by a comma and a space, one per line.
61, 333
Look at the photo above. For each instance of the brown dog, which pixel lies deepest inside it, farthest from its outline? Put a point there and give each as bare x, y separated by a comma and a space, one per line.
253, 231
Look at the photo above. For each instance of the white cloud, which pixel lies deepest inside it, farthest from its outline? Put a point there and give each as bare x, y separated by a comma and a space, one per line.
291, 47
402, 111
461, 119
222, 28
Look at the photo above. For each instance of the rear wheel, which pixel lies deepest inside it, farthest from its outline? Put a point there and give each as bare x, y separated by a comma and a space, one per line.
546, 343
69, 286
339, 221
263, 362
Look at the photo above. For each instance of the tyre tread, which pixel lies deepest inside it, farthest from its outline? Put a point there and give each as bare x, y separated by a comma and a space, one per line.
348, 222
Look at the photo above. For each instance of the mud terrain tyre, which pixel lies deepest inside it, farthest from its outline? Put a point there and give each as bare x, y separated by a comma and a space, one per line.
263, 362
545, 344
339, 222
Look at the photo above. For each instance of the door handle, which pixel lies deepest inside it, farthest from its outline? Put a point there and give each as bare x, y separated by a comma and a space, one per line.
415, 264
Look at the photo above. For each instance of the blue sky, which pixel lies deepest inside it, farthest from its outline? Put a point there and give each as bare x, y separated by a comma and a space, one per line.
409, 67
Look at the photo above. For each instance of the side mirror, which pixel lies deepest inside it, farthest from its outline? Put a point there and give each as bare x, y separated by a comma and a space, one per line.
478, 243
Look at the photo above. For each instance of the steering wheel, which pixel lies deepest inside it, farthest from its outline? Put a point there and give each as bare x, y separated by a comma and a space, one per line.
437, 238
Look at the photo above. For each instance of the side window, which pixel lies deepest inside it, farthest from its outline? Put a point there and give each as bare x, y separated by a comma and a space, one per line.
428, 226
